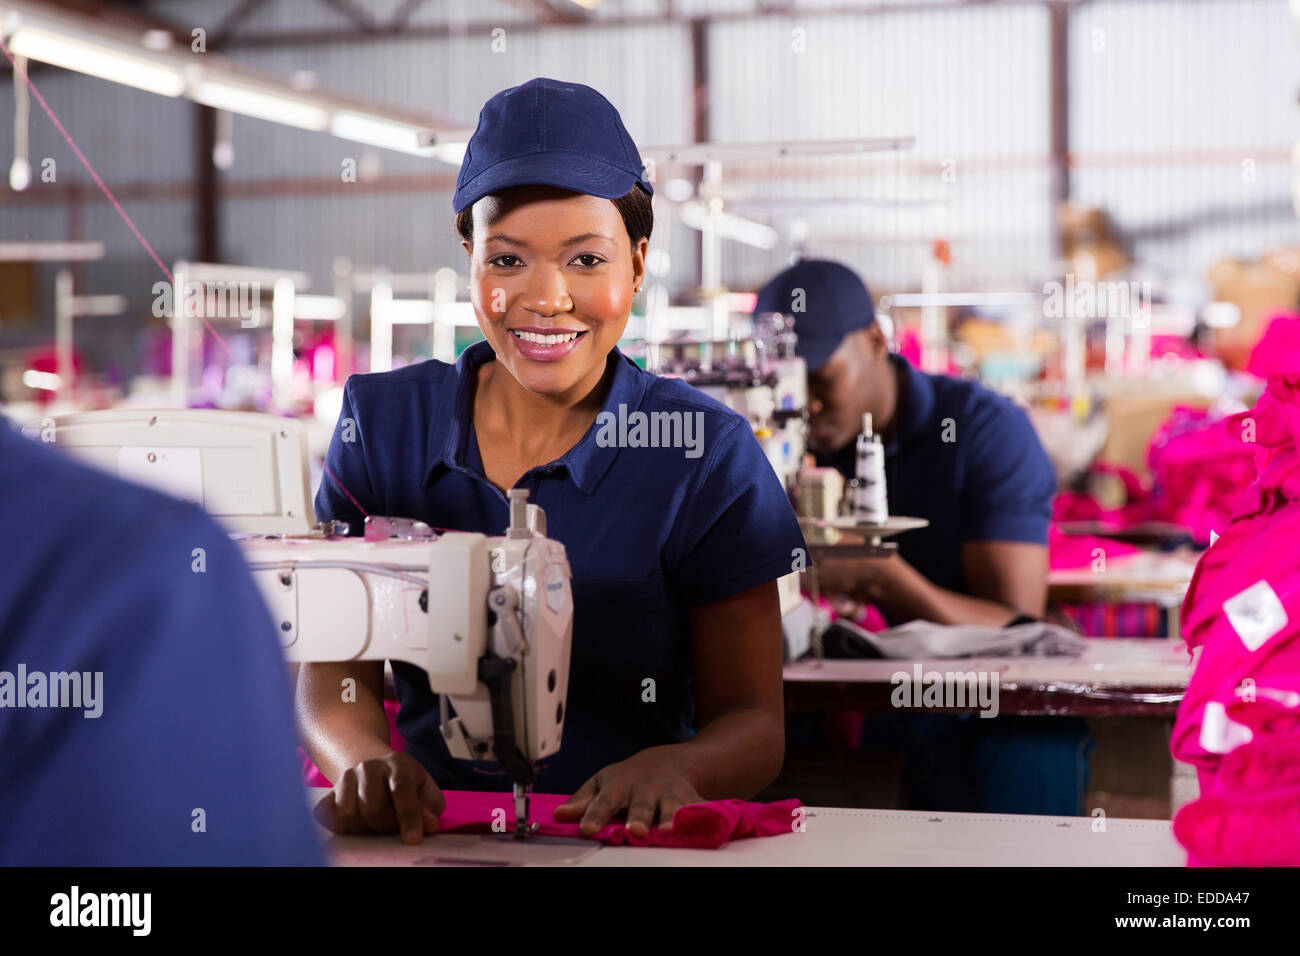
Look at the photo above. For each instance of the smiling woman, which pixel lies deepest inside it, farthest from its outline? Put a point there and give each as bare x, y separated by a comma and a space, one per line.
600, 264
552, 276
675, 539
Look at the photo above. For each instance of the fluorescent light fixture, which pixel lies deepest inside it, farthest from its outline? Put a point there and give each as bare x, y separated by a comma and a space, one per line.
376, 131
153, 61
453, 153
97, 60
729, 226
267, 106
52, 251
43, 380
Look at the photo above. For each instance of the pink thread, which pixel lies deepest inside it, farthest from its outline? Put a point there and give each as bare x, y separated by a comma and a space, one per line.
344, 489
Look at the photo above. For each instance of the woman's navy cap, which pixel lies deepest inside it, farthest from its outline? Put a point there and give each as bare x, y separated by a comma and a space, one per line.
826, 300
549, 133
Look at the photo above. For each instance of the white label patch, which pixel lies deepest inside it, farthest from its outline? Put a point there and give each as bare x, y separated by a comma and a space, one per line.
1219, 733
1255, 614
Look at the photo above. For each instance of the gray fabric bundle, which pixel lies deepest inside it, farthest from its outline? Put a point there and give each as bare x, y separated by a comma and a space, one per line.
923, 639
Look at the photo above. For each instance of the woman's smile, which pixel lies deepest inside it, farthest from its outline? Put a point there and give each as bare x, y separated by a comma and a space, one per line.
546, 345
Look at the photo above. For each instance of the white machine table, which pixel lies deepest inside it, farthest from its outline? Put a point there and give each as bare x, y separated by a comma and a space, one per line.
835, 836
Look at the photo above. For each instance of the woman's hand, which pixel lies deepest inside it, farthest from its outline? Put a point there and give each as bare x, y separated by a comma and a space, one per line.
383, 795
649, 786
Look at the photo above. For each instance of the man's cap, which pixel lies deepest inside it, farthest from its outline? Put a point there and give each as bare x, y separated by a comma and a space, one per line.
827, 301
549, 133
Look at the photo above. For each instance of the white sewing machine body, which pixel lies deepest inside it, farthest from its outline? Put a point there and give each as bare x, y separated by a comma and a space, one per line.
489, 618
431, 603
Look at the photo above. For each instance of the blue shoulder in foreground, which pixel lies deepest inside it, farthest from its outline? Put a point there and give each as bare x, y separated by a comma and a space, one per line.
144, 700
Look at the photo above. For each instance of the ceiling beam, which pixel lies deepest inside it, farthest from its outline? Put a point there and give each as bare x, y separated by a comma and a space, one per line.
231, 22
360, 19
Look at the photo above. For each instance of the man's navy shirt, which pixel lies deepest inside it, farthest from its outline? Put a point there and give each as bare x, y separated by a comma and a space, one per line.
967, 460
649, 533
101, 575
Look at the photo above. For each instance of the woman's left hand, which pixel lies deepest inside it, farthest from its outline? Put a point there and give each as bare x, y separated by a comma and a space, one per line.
649, 786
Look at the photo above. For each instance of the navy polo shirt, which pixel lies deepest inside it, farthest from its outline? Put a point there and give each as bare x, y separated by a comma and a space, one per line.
966, 459
186, 754
649, 533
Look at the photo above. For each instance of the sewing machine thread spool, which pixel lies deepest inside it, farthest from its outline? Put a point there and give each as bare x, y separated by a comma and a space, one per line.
867, 492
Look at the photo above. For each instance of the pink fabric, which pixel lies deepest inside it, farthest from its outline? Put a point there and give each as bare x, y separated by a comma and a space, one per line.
909, 347
704, 826
1081, 506
311, 775
1239, 722
1278, 351
1162, 345
1199, 468
1068, 551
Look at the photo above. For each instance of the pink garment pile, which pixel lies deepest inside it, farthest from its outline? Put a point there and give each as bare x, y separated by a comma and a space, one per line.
1070, 551
1078, 551
1082, 506
1175, 345
1239, 723
1278, 350
1199, 468
703, 826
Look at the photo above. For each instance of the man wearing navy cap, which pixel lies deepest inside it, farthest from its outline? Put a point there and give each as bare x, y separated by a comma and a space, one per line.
960, 456
968, 461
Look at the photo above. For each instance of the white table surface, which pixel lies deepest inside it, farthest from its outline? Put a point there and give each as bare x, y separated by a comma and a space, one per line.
1145, 574
843, 837
1142, 662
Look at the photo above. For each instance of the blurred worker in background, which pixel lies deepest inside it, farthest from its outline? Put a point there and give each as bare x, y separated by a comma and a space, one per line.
957, 454
969, 462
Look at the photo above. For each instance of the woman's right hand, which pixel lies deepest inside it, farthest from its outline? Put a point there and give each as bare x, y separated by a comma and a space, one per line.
383, 795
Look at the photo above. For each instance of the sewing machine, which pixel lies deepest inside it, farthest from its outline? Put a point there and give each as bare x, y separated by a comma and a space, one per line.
489, 618
759, 377
757, 374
